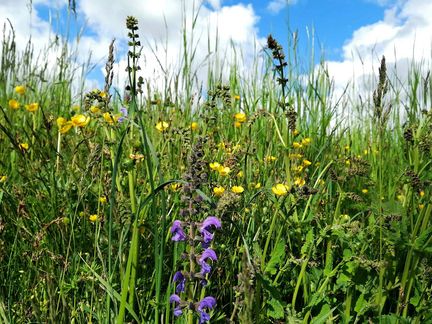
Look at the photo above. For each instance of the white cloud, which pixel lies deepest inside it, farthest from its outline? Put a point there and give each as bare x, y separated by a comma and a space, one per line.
276, 6
402, 36
160, 29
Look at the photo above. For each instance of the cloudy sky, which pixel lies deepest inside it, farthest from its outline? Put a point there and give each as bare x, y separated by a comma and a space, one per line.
352, 34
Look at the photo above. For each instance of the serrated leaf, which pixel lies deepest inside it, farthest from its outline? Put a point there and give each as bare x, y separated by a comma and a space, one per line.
276, 311
277, 255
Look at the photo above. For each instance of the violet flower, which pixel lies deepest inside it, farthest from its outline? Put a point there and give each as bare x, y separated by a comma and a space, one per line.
206, 302
207, 254
205, 227
175, 299
124, 112
177, 231
178, 277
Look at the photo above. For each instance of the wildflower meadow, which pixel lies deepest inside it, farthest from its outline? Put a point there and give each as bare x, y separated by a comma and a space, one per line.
270, 199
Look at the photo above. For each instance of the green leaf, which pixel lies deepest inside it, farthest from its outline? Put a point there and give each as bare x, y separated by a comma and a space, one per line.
347, 254
276, 311
277, 255
308, 243
323, 315
361, 305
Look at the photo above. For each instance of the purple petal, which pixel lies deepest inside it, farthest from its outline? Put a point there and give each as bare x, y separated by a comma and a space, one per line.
204, 317
124, 111
178, 277
208, 254
211, 221
174, 299
207, 302
207, 237
205, 268
178, 311
177, 231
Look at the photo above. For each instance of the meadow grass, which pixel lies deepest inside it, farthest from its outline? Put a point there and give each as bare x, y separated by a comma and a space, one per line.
324, 218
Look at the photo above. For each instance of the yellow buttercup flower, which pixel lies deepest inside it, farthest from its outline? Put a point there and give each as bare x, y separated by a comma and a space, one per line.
240, 117
299, 169
95, 110
175, 186
66, 127
306, 141
306, 163
24, 146
240, 174
237, 97
299, 182
365, 191
194, 126
93, 218
223, 171
218, 191
13, 104
257, 185
61, 121
214, 166
32, 107
237, 124
21, 89
421, 193
110, 119
280, 189
237, 189
297, 145
295, 132
162, 126
80, 120
3, 178
102, 199
270, 158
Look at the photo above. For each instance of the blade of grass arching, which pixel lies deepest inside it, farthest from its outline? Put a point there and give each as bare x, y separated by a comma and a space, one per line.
110, 214
111, 291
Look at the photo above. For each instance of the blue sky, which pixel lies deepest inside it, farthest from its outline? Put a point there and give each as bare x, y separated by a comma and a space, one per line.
352, 33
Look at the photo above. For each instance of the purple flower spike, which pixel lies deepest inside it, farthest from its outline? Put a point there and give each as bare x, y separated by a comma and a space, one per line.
177, 231
206, 302
175, 299
204, 317
178, 277
207, 254
205, 227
